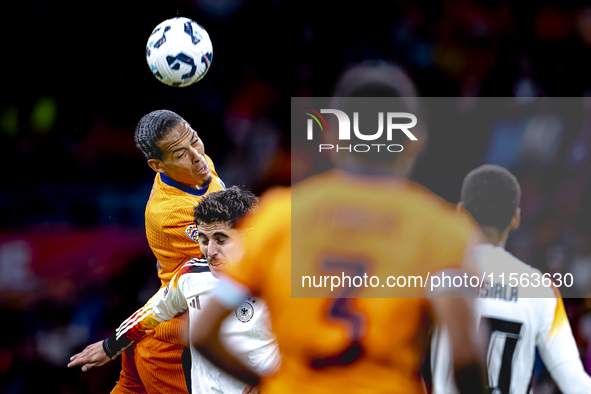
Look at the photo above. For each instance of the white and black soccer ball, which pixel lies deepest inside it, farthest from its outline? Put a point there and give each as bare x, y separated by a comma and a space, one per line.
179, 52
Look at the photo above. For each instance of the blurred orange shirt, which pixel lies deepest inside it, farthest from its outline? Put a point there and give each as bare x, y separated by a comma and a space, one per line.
380, 226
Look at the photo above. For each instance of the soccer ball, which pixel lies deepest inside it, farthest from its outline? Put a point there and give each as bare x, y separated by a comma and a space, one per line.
179, 52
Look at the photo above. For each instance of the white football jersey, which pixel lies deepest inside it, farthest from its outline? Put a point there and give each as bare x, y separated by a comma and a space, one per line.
246, 333
513, 325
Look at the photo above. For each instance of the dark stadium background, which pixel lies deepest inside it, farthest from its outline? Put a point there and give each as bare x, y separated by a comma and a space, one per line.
74, 261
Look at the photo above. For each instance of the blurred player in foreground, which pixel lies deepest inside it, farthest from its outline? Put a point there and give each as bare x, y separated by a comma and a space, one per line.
246, 333
351, 345
184, 174
513, 322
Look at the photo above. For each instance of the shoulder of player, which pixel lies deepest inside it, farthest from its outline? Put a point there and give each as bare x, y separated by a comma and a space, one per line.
524, 267
166, 197
195, 272
172, 216
276, 194
413, 201
276, 201
170, 197
404, 191
171, 206
194, 266
510, 264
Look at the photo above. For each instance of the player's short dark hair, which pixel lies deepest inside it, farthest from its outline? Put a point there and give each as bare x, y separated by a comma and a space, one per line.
228, 206
379, 79
152, 128
374, 78
491, 194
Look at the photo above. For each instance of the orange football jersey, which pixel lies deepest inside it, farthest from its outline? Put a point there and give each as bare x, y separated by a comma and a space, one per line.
374, 225
170, 227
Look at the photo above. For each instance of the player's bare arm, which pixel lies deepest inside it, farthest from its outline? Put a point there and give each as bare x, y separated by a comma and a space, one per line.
164, 305
558, 349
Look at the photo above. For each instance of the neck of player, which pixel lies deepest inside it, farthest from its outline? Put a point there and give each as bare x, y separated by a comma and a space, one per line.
495, 237
196, 186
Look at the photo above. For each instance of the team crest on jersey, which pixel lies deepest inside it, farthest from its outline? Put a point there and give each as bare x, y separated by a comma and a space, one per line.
192, 232
245, 312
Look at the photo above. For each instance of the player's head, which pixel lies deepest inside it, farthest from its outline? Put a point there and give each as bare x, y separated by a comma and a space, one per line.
217, 217
397, 93
173, 148
491, 195
375, 78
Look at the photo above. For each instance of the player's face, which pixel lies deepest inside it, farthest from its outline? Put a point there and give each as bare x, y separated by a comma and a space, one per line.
183, 157
220, 244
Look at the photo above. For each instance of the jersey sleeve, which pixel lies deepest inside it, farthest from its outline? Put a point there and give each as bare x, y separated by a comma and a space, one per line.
266, 230
169, 302
558, 348
159, 308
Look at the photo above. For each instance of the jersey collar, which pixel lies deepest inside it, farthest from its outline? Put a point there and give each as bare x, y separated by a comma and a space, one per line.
183, 187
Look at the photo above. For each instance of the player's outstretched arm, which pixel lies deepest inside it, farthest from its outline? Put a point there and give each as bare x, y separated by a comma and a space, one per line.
164, 305
132, 329
93, 356
206, 337
558, 348
161, 307
456, 314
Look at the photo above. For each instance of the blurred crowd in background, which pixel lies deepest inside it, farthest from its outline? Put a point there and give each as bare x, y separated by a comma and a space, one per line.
74, 261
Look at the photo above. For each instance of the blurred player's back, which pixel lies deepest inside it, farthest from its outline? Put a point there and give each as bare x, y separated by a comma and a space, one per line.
354, 344
364, 221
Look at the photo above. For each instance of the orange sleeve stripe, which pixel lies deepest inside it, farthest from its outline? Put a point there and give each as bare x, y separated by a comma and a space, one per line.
560, 317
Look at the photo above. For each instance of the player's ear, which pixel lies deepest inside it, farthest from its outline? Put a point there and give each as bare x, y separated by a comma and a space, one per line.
516, 219
156, 165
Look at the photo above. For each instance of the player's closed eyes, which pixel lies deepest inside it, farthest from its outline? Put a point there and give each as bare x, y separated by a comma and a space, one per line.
194, 143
